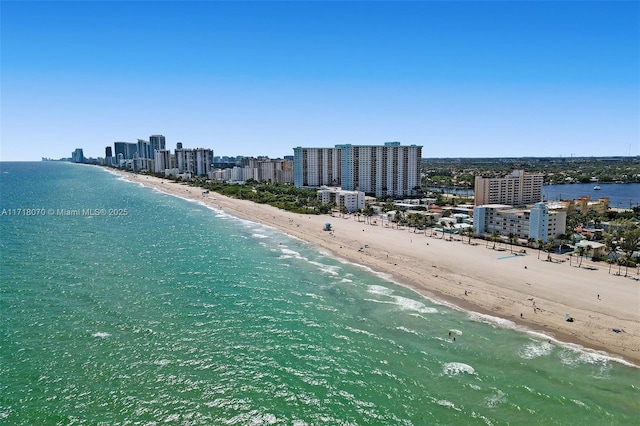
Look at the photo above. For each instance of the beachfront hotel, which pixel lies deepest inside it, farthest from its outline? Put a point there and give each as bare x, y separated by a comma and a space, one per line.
538, 223
517, 189
382, 170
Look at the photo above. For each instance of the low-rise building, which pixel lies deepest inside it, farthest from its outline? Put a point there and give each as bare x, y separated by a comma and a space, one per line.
537, 222
350, 200
583, 204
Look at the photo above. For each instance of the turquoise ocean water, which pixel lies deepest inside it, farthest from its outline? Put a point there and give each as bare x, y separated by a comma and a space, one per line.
173, 313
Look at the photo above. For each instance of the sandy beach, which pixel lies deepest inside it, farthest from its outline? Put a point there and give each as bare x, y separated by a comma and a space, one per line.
531, 292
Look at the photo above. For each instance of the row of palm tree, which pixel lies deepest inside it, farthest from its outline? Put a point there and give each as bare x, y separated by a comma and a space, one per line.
623, 238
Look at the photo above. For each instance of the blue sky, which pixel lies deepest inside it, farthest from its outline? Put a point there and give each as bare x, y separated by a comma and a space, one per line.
463, 79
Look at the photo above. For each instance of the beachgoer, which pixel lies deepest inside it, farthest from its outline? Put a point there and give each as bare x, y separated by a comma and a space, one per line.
598, 297
465, 293
521, 315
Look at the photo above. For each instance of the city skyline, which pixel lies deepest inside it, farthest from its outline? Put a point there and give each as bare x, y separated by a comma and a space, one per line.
463, 79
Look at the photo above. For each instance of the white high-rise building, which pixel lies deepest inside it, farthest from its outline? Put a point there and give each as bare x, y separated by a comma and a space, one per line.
197, 161
162, 160
382, 170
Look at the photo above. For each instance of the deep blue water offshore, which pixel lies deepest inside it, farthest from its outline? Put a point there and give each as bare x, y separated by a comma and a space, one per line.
176, 314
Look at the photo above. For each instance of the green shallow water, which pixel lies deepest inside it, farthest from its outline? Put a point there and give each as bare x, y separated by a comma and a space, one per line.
178, 314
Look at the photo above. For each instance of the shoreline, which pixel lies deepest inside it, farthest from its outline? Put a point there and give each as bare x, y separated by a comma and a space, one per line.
532, 294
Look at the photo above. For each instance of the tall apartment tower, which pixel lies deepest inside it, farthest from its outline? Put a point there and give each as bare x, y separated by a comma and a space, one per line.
317, 166
127, 149
156, 142
517, 189
162, 160
383, 170
108, 156
197, 161
144, 149
77, 156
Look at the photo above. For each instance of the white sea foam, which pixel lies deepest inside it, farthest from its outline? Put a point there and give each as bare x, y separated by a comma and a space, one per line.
580, 403
413, 305
358, 331
456, 368
408, 330
259, 235
290, 252
494, 400
447, 403
536, 349
574, 355
101, 335
588, 356
378, 289
329, 269
493, 320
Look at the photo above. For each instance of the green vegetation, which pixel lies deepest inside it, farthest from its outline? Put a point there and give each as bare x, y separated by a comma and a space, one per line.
460, 172
281, 195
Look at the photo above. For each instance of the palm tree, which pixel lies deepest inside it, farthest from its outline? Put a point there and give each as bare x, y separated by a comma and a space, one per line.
588, 249
399, 218
629, 244
368, 212
494, 236
612, 246
548, 247
388, 206
540, 243
470, 233
530, 241
512, 238
581, 254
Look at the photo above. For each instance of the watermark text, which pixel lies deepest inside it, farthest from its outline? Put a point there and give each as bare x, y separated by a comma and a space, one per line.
31, 212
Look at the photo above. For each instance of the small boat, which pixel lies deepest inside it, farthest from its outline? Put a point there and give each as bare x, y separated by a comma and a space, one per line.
597, 187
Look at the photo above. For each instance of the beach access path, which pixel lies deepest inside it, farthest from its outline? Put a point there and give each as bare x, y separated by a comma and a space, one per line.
534, 293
